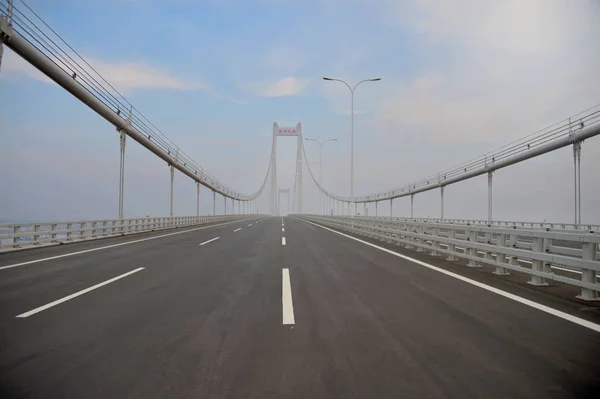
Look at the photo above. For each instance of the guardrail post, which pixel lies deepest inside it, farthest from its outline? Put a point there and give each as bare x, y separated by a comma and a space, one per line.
53, 234
412, 203
434, 243
104, 227
402, 234
488, 255
408, 238
16, 238
389, 226
69, 233
590, 252
94, 229
501, 257
472, 238
398, 236
420, 238
36, 237
537, 265
365, 229
82, 226
452, 247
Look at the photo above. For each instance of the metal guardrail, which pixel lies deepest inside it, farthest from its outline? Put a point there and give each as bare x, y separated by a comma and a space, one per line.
505, 223
506, 248
19, 235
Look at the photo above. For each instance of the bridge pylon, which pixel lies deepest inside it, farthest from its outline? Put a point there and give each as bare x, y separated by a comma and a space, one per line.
285, 131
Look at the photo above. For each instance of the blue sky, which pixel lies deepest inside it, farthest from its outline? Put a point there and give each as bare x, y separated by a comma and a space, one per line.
459, 78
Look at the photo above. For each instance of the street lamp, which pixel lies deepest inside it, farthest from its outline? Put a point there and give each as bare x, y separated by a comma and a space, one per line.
320, 197
352, 133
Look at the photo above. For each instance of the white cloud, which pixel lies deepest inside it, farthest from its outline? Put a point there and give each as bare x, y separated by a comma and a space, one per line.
125, 76
505, 69
14, 65
135, 75
284, 60
289, 86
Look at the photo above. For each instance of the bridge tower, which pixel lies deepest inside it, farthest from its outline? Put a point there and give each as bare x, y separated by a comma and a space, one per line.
285, 131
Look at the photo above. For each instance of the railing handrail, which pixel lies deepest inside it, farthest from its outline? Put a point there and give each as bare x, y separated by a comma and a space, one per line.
583, 226
49, 232
75, 221
505, 248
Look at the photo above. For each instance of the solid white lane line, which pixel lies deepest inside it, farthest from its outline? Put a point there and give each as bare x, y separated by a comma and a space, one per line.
206, 242
286, 298
69, 297
283, 241
237, 230
516, 298
113, 246
282, 229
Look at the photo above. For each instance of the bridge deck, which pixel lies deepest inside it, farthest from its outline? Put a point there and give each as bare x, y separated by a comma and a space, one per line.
207, 321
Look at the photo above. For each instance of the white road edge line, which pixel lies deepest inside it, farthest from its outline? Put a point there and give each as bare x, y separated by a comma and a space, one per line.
286, 298
206, 242
113, 246
283, 241
69, 297
516, 298
237, 230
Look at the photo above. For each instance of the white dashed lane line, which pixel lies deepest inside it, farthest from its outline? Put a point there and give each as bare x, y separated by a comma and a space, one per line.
286, 298
206, 242
69, 297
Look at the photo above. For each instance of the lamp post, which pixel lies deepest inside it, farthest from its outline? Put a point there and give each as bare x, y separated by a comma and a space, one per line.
321, 143
352, 89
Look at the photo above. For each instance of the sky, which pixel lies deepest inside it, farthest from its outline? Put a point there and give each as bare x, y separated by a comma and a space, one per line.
459, 78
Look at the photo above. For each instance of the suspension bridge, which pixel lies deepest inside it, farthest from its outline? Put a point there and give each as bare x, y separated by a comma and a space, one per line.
266, 300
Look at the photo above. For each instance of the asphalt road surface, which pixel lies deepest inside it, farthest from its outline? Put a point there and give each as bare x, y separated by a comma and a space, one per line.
278, 308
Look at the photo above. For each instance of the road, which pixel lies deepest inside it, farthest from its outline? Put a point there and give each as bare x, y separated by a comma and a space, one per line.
245, 316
